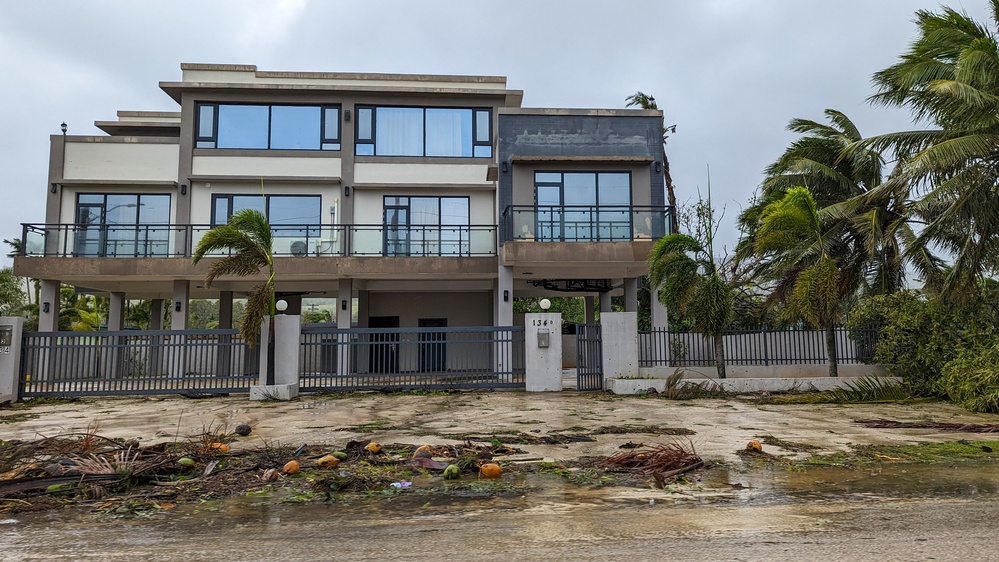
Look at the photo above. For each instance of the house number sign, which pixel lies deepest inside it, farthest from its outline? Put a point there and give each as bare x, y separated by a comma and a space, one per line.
6, 334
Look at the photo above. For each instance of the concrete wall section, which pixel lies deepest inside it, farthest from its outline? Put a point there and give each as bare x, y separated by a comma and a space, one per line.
460, 309
121, 161
619, 331
269, 166
544, 364
417, 173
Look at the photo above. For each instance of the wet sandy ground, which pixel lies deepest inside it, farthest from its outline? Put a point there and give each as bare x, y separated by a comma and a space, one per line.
772, 523
938, 512
722, 426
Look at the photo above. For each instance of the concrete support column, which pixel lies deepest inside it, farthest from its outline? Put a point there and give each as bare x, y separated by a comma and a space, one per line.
345, 296
154, 364
605, 302
156, 314
660, 318
619, 332
543, 352
116, 312
631, 294
48, 310
590, 316
225, 310
363, 308
503, 313
344, 304
181, 294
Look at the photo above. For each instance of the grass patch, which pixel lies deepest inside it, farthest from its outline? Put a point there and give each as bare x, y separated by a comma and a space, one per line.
372, 426
16, 418
922, 453
787, 445
864, 390
635, 428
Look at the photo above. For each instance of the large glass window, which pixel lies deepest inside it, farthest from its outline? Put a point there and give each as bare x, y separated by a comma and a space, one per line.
299, 210
426, 226
274, 127
583, 206
418, 131
122, 225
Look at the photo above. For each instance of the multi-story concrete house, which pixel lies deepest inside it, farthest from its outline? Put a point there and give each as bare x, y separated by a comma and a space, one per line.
415, 200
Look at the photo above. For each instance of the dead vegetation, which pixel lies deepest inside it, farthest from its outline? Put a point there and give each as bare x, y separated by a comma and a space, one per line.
942, 426
661, 460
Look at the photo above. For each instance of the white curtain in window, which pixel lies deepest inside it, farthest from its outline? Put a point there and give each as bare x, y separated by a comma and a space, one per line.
449, 132
399, 131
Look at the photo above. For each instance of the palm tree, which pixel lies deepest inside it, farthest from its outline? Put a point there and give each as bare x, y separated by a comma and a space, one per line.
949, 77
791, 237
247, 240
865, 220
16, 249
639, 99
692, 283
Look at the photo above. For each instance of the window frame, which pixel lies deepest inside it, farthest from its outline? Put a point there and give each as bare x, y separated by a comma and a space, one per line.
563, 209
464, 245
103, 228
335, 142
267, 205
373, 140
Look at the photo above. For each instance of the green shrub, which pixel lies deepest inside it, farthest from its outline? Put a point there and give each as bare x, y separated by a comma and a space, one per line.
972, 379
917, 335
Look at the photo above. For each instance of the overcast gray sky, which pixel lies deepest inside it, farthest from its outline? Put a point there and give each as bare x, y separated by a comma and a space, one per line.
729, 73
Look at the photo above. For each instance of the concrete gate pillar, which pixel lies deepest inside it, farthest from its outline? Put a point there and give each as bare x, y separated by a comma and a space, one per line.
11, 330
181, 294
287, 349
543, 352
605, 303
619, 331
631, 294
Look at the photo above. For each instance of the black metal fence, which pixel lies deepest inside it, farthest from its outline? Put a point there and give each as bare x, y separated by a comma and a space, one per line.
663, 348
411, 358
136, 362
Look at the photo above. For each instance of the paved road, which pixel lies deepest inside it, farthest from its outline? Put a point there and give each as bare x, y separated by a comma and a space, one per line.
619, 525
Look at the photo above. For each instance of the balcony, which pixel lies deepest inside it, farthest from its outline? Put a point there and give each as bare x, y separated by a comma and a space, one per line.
581, 223
174, 241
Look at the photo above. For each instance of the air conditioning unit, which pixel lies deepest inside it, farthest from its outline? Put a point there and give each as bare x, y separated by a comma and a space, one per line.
299, 248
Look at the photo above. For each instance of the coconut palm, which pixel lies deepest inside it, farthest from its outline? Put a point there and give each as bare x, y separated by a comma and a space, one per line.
692, 283
639, 99
949, 77
791, 237
247, 240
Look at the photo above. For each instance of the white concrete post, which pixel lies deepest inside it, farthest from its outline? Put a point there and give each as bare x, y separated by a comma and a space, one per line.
344, 314
619, 332
287, 347
11, 330
178, 314
544, 364
502, 317
660, 317
154, 363
116, 312
48, 310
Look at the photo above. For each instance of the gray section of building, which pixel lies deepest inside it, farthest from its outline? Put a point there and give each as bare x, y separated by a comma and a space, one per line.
601, 135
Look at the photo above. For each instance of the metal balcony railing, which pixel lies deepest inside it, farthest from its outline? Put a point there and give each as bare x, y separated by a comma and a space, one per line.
584, 223
165, 241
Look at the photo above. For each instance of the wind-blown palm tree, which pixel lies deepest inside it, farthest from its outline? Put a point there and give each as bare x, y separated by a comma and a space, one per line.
692, 283
949, 76
791, 237
865, 220
639, 99
248, 241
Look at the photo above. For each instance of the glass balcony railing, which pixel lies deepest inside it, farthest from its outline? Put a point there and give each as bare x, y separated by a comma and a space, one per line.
154, 241
569, 223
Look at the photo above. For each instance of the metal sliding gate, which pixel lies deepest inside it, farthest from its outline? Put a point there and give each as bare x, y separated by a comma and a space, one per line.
589, 357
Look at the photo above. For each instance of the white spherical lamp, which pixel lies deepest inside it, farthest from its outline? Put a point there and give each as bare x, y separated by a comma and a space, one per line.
545, 304
281, 305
